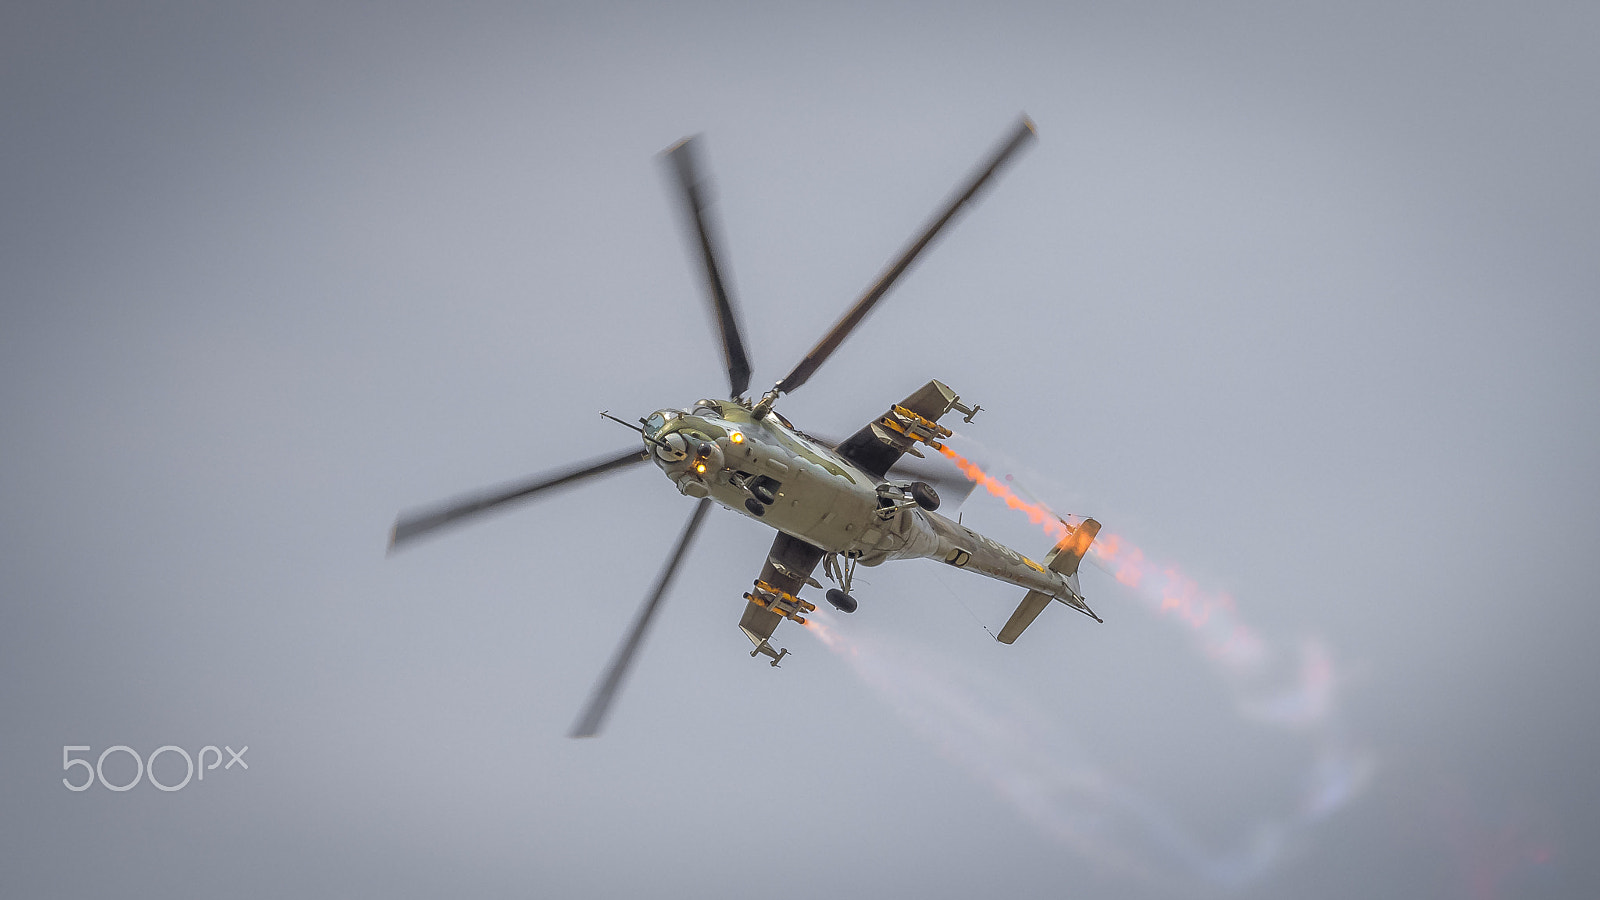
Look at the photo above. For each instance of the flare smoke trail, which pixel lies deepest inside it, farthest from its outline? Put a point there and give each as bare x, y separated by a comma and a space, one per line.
1026, 755
1213, 616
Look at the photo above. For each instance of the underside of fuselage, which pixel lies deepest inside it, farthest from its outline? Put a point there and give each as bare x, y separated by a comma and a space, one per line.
767, 470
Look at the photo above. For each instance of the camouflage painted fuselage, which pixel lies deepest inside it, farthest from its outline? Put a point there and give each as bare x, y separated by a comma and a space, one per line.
719, 449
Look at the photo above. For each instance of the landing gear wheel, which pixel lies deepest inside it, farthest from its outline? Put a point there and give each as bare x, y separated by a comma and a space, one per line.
841, 601
924, 495
764, 489
755, 507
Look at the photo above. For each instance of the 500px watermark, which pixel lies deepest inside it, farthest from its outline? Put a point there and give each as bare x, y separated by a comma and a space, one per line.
146, 766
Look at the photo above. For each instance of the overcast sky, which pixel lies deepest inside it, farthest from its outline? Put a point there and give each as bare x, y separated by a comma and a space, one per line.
1298, 300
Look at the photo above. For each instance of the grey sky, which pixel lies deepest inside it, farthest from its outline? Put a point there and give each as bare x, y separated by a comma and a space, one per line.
1302, 301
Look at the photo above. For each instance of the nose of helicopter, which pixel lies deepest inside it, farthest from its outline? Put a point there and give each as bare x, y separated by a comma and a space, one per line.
697, 456
706, 457
672, 447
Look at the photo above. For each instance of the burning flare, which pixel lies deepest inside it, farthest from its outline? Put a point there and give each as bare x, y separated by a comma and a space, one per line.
1041, 770
1213, 616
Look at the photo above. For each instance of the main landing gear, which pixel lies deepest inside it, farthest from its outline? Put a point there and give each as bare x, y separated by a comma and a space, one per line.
842, 573
763, 491
841, 601
892, 498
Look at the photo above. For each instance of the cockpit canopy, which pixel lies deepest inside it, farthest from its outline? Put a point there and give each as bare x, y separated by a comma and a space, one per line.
658, 420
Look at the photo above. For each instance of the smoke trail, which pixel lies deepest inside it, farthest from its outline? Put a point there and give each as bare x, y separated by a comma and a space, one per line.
1034, 764
1031, 761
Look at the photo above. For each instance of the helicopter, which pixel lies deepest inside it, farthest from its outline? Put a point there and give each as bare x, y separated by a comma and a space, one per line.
840, 504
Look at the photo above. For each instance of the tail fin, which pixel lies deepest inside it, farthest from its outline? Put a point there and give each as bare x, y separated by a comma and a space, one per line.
1063, 559
1066, 554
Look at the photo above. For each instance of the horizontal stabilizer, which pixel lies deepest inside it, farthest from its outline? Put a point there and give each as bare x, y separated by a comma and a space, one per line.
1028, 610
1062, 559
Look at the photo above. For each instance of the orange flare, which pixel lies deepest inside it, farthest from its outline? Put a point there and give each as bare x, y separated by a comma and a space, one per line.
1169, 590
1037, 514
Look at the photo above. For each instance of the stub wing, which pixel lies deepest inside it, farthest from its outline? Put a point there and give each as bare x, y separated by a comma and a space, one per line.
881, 443
775, 594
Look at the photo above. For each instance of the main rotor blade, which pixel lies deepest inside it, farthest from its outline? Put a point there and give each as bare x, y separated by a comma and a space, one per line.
685, 164
605, 690
831, 341
407, 528
953, 487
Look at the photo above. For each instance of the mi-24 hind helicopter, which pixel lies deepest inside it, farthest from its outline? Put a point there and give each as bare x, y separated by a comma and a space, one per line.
841, 505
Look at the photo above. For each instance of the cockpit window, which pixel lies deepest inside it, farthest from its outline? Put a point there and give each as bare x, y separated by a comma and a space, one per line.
658, 420
707, 408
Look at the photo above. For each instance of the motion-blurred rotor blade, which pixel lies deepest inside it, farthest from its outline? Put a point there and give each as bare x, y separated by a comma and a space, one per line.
954, 488
408, 527
605, 690
685, 165
832, 339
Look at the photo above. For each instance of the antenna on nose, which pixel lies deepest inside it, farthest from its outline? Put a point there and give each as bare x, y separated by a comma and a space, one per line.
657, 441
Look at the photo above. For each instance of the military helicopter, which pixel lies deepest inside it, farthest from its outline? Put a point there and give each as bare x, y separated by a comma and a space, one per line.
842, 504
